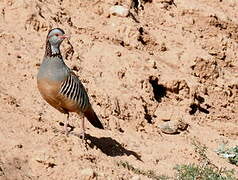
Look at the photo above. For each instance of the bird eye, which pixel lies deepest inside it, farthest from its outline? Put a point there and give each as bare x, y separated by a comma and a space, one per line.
57, 34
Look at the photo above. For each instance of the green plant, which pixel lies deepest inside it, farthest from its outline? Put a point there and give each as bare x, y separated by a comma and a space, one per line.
205, 170
194, 172
230, 153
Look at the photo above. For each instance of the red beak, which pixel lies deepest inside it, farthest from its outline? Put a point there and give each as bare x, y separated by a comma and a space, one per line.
64, 36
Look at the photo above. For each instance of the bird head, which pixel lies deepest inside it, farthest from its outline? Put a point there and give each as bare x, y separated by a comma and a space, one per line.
56, 36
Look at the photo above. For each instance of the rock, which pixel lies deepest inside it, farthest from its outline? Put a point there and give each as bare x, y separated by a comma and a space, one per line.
164, 113
41, 156
88, 172
173, 127
118, 10
176, 86
137, 177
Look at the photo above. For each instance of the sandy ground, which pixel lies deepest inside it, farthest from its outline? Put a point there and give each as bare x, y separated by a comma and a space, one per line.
178, 62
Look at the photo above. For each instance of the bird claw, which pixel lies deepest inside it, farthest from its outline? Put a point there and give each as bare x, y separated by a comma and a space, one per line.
82, 135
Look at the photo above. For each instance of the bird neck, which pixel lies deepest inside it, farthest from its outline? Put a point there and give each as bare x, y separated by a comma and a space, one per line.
52, 50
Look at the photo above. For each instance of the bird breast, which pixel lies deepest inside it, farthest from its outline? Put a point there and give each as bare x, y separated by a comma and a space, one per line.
53, 69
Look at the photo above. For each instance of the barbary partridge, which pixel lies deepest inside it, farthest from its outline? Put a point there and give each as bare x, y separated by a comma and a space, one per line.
60, 86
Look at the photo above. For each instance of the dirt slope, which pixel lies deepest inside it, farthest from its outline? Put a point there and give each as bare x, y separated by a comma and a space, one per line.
178, 62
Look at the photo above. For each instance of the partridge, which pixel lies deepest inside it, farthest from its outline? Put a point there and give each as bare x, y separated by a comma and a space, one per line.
60, 86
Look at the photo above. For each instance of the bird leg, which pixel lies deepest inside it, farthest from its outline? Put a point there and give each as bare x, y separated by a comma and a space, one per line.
82, 134
66, 123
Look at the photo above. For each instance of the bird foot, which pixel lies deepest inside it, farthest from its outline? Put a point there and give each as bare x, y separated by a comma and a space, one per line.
82, 136
66, 133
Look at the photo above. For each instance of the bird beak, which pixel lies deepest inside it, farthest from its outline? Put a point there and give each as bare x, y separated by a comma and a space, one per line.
64, 36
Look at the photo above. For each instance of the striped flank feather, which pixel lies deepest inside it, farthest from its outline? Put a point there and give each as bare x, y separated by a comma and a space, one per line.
73, 89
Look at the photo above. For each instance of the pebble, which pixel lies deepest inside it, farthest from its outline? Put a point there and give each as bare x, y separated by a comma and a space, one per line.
137, 177
88, 172
173, 127
118, 10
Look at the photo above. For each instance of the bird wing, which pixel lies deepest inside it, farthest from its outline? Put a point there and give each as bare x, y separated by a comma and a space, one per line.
74, 93
77, 98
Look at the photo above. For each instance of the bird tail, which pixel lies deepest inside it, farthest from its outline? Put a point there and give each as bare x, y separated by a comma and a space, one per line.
92, 118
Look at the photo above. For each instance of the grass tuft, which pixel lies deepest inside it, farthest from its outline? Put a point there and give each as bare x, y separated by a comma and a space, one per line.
205, 170
192, 171
148, 173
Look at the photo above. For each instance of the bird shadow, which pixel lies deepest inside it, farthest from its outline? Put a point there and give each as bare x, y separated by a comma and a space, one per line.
108, 146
